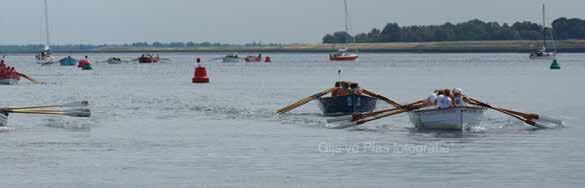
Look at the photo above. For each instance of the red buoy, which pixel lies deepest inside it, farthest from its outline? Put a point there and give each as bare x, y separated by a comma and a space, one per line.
268, 59
200, 74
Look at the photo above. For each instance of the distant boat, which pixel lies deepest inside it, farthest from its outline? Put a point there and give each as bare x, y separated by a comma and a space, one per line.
7, 76
45, 57
114, 60
343, 54
233, 58
457, 118
543, 53
147, 58
68, 61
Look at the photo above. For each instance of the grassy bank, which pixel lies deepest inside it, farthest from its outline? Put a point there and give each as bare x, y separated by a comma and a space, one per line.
575, 46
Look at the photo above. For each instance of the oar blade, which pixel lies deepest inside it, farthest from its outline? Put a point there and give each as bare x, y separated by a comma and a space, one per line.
79, 113
345, 125
76, 104
341, 118
551, 120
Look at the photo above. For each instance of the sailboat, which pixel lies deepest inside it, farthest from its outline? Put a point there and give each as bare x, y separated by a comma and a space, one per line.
45, 57
543, 53
343, 54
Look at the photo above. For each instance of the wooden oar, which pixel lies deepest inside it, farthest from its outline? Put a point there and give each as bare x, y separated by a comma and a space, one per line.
358, 119
385, 99
28, 78
72, 113
79, 104
526, 118
304, 101
364, 115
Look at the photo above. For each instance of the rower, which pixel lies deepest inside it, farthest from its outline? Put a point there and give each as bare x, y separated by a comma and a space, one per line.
432, 100
355, 89
458, 97
443, 100
336, 90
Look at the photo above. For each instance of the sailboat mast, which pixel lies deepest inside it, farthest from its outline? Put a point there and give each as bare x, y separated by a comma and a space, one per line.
544, 24
47, 44
347, 40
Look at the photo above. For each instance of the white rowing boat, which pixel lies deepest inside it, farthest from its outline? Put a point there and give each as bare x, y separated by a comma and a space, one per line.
458, 118
9, 81
3, 119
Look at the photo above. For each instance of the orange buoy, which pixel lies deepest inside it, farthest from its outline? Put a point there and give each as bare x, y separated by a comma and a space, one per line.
268, 59
200, 74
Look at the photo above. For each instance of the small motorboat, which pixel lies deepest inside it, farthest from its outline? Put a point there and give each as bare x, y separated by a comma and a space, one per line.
233, 58
3, 119
149, 59
542, 54
343, 55
457, 118
46, 59
68, 61
346, 105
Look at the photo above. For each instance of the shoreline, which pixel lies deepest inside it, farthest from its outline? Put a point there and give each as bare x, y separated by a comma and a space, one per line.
566, 46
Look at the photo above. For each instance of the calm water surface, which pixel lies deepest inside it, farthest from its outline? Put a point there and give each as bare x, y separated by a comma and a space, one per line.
152, 128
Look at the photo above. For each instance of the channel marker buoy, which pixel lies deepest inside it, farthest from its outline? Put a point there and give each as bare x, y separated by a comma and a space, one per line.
200, 74
555, 65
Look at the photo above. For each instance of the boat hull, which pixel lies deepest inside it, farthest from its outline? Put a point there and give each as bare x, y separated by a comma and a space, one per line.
458, 118
3, 119
346, 105
68, 62
546, 55
344, 58
47, 60
230, 60
8, 81
148, 60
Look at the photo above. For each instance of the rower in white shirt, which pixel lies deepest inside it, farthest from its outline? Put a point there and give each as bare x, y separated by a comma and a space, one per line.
458, 97
443, 100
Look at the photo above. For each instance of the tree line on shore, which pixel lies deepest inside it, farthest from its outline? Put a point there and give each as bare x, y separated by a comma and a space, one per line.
141, 45
473, 30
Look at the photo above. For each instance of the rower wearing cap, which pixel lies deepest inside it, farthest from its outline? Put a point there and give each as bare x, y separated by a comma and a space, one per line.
458, 97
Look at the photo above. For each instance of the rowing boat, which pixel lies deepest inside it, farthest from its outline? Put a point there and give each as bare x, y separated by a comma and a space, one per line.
457, 118
345, 105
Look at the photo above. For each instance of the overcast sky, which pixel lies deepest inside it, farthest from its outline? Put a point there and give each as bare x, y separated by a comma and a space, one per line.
242, 21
